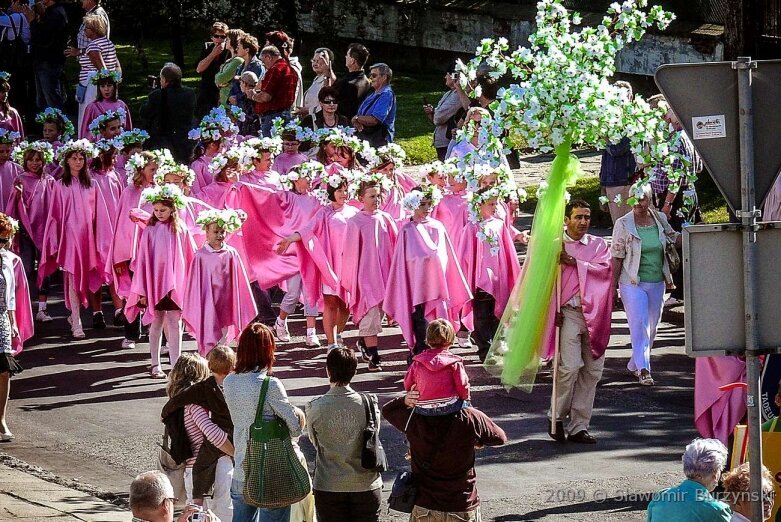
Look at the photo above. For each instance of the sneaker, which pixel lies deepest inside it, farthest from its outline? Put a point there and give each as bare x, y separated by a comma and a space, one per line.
78, 333
43, 316
464, 342
332, 347
128, 343
339, 340
374, 364
311, 338
98, 321
119, 318
280, 329
672, 302
360, 347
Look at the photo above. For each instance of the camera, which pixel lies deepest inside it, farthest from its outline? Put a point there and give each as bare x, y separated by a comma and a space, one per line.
198, 517
153, 82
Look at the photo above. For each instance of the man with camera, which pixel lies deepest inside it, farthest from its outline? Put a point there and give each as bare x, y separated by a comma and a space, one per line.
152, 500
169, 113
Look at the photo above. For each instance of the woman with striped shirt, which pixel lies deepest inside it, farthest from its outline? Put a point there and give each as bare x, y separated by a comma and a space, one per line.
99, 54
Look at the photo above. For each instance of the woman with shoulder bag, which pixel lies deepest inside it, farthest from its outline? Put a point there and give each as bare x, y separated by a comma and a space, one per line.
345, 491
243, 390
642, 272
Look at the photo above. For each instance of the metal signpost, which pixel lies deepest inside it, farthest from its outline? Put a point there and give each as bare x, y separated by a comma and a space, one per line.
715, 103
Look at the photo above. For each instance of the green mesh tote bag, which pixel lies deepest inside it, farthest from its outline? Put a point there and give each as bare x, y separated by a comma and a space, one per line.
274, 477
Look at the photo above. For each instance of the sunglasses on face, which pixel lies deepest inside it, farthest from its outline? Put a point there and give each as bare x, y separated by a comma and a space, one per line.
219, 36
330, 101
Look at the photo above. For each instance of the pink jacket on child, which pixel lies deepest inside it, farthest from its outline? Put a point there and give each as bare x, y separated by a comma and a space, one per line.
439, 375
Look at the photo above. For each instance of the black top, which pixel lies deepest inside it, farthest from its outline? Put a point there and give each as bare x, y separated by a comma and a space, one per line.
49, 36
353, 87
169, 110
207, 77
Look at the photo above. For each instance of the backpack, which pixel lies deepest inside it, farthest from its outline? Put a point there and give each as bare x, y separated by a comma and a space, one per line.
14, 54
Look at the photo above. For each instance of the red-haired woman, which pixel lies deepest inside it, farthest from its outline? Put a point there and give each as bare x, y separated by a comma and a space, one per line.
254, 361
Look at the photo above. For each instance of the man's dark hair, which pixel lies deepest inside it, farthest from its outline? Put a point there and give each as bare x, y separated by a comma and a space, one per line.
341, 364
172, 74
575, 203
489, 87
358, 52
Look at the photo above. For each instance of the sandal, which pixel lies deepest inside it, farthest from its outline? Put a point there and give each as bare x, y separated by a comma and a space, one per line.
645, 379
156, 373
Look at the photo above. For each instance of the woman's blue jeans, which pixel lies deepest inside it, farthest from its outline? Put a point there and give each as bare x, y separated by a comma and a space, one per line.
243, 512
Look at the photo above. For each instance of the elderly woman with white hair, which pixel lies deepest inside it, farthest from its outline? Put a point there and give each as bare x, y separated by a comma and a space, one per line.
737, 491
641, 272
691, 500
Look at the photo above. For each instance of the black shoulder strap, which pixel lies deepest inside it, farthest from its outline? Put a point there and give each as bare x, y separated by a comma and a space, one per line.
371, 420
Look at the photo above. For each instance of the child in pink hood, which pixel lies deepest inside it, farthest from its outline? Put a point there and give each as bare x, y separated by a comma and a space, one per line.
437, 374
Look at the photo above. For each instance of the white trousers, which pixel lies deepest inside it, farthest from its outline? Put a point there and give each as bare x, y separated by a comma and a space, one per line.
171, 321
221, 502
578, 373
294, 294
643, 304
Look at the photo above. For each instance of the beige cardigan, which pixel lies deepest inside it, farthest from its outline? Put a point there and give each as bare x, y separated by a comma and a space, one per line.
626, 245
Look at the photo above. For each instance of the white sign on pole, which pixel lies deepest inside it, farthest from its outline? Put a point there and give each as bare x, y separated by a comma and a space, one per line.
709, 127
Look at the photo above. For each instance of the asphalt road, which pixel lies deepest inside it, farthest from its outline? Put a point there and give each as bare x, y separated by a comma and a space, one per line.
87, 412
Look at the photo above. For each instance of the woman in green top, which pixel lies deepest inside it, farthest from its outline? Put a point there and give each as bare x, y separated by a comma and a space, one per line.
227, 73
641, 272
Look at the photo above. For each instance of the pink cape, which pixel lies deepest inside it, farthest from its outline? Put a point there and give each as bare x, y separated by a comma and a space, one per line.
268, 179
284, 162
406, 181
452, 213
8, 173
111, 188
367, 254
160, 267
771, 208
203, 175
425, 271
126, 237
320, 255
97, 108
31, 207
494, 274
12, 122
73, 240
391, 204
23, 315
272, 216
594, 280
217, 296
189, 214
716, 413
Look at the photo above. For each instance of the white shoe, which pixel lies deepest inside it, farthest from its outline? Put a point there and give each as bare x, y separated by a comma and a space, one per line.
464, 342
673, 302
43, 316
78, 333
280, 329
311, 338
128, 343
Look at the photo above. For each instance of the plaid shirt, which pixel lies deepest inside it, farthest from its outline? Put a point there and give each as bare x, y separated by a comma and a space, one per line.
660, 181
280, 81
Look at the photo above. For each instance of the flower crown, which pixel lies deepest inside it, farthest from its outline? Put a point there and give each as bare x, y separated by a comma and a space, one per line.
135, 163
473, 173
83, 146
106, 145
310, 170
4, 75
334, 177
361, 176
279, 127
258, 145
240, 154
229, 219
132, 137
101, 121
413, 199
9, 137
233, 112
43, 147
166, 192
183, 171
14, 224
52, 115
104, 74
392, 152
217, 124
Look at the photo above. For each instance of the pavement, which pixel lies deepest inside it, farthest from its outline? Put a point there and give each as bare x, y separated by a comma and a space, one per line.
86, 418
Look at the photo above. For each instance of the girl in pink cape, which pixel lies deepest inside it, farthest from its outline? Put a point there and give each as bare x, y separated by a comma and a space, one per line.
9, 169
218, 301
56, 128
273, 215
290, 157
452, 210
108, 125
265, 149
210, 141
29, 203
395, 154
487, 255
106, 100
183, 176
9, 117
165, 253
73, 240
129, 142
426, 281
320, 257
16, 322
393, 195
367, 253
